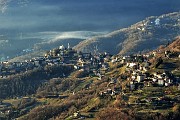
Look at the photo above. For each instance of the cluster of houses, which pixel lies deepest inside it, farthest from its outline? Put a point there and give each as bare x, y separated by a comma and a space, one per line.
139, 76
137, 67
157, 79
82, 61
11, 68
98, 65
61, 55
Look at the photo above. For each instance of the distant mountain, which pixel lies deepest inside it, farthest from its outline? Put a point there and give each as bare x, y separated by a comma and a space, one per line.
142, 36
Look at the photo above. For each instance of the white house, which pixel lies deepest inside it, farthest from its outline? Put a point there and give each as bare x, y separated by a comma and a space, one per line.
61, 47
160, 82
131, 65
154, 79
140, 78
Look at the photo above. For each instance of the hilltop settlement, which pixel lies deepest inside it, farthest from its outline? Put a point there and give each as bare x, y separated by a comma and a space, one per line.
66, 84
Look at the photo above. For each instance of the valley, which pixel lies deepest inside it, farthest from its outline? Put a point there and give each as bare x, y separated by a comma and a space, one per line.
89, 60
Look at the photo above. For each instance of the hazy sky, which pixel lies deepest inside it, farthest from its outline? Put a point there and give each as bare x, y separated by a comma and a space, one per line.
79, 15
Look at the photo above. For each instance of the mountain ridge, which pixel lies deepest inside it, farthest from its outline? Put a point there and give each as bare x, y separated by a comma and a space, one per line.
154, 30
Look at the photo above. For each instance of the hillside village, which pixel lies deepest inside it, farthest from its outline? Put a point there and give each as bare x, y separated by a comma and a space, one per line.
141, 81
61, 55
97, 63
